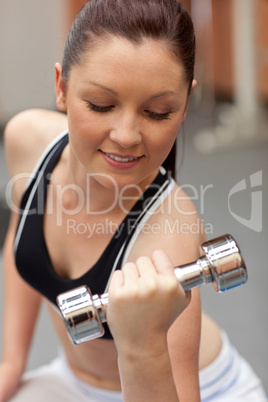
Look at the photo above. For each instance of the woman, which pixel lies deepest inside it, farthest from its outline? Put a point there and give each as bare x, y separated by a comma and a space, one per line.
97, 207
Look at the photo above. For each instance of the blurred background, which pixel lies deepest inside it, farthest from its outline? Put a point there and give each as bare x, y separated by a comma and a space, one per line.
222, 147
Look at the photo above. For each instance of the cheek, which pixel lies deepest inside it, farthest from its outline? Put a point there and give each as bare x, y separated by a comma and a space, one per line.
162, 142
83, 128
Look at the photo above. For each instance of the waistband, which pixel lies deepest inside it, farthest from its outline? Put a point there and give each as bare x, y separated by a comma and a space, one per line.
222, 373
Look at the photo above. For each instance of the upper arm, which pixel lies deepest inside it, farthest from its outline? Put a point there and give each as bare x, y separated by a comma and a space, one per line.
183, 343
25, 140
20, 301
21, 305
184, 334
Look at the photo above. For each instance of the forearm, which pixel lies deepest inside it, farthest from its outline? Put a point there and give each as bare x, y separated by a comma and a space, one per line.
150, 287
147, 376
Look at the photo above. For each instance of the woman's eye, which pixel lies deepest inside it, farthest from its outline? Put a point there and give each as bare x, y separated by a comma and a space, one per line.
99, 109
158, 116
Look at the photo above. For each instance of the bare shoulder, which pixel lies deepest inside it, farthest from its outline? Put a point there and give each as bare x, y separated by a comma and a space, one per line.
26, 136
175, 227
185, 231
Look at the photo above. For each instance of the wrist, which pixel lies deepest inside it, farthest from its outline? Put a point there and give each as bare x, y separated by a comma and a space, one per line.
152, 372
144, 348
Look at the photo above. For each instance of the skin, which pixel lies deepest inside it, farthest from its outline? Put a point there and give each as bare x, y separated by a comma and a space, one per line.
131, 130
141, 119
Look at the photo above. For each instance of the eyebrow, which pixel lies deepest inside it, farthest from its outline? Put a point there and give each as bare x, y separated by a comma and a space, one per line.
158, 95
163, 94
97, 84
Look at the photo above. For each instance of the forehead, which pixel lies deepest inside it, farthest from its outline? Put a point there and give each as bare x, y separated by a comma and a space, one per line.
119, 59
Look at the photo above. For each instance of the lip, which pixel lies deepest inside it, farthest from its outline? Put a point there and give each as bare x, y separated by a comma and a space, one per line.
121, 164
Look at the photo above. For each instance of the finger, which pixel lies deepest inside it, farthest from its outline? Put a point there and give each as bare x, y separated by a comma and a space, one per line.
117, 280
145, 267
131, 273
162, 263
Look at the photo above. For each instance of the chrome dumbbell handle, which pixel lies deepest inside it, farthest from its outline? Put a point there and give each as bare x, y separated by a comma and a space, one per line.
222, 265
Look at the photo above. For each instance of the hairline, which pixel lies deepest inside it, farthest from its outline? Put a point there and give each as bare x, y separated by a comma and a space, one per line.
94, 40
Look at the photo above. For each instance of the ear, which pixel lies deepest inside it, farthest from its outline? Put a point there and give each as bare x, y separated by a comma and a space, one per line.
194, 83
60, 89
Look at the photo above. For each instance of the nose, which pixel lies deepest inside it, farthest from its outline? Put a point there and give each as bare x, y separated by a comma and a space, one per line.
126, 132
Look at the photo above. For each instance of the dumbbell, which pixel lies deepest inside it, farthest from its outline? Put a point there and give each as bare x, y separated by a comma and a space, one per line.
221, 264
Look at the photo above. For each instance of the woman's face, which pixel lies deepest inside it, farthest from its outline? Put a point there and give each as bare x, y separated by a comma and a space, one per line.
125, 103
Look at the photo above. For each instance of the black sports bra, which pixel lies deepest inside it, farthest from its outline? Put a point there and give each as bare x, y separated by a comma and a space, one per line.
31, 254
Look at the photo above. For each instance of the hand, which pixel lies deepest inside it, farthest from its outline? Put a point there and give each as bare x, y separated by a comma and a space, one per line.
144, 300
9, 381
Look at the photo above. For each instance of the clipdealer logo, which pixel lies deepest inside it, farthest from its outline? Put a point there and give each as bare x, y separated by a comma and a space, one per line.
249, 191
254, 191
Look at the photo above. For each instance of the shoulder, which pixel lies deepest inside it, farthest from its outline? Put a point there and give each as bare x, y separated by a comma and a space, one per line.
183, 230
175, 227
26, 136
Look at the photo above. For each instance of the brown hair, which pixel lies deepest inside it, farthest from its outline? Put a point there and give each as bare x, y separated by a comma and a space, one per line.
164, 20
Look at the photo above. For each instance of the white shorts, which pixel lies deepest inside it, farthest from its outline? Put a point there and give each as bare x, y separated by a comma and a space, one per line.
229, 378
56, 382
